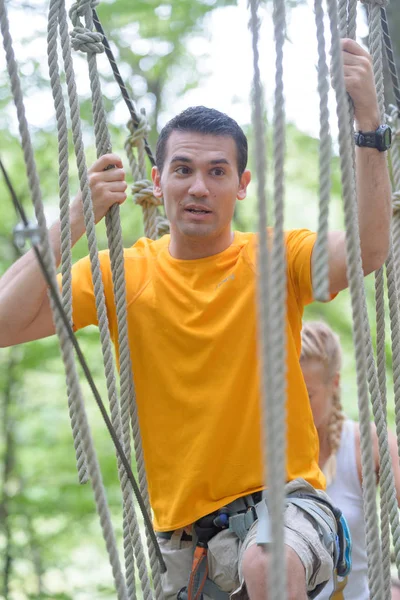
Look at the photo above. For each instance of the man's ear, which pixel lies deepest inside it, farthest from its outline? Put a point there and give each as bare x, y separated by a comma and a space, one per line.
244, 182
156, 177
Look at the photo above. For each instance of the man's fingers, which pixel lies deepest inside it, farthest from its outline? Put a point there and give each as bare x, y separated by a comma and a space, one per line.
107, 176
118, 197
107, 161
117, 186
356, 59
351, 47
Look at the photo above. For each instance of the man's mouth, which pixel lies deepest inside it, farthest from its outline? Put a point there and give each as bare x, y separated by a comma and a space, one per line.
198, 210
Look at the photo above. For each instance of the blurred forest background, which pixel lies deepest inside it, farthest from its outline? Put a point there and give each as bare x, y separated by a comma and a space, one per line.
50, 540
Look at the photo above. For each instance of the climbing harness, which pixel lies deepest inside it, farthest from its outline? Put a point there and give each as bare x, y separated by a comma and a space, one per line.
239, 516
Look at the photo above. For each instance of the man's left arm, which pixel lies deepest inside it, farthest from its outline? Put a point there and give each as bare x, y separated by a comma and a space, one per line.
373, 182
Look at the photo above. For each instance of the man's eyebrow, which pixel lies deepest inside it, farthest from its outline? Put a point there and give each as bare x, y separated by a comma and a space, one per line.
219, 161
185, 159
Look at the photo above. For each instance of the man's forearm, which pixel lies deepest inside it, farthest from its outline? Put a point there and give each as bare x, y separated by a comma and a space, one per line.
23, 288
374, 202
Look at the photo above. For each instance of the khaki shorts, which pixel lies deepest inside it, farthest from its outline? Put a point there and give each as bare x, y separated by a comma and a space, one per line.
226, 552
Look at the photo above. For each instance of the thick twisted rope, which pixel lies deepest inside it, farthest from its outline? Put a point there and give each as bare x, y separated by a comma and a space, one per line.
356, 285
86, 40
271, 307
320, 262
276, 377
392, 272
386, 489
342, 17
395, 162
142, 191
131, 531
142, 188
73, 386
381, 367
352, 19
49, 262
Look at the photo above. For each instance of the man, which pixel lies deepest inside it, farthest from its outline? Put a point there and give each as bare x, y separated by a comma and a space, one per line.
192, 322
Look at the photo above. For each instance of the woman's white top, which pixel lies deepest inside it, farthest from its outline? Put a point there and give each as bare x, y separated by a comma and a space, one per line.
346, 493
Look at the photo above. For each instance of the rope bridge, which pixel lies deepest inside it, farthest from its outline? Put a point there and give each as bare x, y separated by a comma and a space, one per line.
88, 37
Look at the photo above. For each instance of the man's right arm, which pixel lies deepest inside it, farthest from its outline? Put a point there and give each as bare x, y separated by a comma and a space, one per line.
25, 312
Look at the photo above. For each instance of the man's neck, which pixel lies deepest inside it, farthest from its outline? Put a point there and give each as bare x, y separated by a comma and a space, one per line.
192, 248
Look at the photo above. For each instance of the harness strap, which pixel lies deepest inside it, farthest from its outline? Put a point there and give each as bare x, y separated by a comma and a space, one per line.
198, 574
241, 523
327, 525
212, 590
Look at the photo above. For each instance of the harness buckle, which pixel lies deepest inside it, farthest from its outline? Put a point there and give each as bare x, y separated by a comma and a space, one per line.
22, 233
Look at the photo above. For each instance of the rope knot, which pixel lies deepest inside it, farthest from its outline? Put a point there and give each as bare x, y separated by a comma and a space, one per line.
162, 225
138, 132
82, 37
81, 8
86, 41
142, 191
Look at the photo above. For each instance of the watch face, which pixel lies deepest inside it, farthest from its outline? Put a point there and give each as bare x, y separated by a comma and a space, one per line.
387, 138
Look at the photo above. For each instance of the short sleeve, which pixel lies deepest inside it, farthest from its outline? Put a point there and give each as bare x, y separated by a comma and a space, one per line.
83, 298
299, 247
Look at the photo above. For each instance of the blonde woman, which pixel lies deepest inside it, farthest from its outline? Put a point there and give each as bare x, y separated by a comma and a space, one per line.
340, 454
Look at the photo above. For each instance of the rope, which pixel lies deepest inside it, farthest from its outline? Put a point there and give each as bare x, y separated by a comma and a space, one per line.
386, 497
392, 263
131, 531
272, 307
276, 394
117, 75
49, 262
320, 261
395, 339
381, 366
342, 16
142, 189
356, 285
352, 19
390, 56
72, 377
395, 160
143, 194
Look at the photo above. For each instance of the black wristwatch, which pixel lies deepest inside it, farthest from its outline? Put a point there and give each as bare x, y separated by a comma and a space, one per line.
381, 138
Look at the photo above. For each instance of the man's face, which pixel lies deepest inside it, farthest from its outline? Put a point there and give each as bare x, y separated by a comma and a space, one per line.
200, 184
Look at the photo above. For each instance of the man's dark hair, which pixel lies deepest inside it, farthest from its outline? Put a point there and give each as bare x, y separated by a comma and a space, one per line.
208, 121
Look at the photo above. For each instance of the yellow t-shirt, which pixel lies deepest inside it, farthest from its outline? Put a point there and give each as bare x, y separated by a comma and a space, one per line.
193, 340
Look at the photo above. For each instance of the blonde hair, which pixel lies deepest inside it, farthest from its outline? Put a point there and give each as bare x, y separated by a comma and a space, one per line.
318, 342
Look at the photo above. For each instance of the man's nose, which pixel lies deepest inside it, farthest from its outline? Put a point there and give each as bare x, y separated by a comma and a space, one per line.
198, 187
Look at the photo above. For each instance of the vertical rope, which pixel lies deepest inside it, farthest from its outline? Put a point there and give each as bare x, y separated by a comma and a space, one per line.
276, 374
273, 399
395, 163
375, 47
142, 189
49, 261
356, 285
131, 532
320, 261
342, 16
72, 378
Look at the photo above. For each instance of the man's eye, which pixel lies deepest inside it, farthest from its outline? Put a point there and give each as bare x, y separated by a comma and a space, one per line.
218, 171
182, 170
